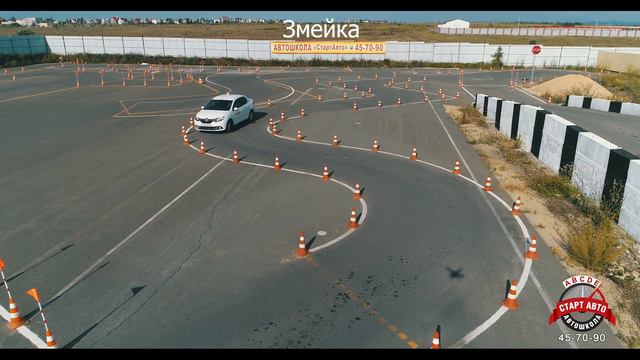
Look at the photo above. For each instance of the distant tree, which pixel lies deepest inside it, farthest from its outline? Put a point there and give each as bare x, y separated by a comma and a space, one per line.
497, 57
26, 32
533, 42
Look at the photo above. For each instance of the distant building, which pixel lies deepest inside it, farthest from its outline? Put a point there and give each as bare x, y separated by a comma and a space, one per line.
43, 24
457, 23
26, 21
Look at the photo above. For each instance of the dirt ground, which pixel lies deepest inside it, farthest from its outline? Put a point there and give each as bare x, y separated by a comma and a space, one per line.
570, 85
550, 227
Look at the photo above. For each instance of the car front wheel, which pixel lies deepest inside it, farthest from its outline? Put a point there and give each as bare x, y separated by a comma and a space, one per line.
230, 126
251, 116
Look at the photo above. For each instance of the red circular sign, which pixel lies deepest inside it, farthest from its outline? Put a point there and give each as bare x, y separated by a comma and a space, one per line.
536, 50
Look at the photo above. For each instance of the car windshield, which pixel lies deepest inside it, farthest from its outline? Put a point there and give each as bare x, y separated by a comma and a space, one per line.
218, 105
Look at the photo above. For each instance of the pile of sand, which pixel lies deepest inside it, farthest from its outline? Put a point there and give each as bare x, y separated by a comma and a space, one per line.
571, 85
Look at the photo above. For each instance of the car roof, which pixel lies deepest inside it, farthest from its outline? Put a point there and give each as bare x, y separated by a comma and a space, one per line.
227, 97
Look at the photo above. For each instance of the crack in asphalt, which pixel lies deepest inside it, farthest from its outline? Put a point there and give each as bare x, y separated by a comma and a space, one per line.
177, 270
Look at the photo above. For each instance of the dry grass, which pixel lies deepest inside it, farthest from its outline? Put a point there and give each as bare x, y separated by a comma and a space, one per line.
594, 246
382, 32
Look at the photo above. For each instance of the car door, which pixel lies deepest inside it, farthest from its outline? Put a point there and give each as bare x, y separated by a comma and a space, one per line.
244, 108
237, 113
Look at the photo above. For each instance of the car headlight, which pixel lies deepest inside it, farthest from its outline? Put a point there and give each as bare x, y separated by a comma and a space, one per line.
218, 119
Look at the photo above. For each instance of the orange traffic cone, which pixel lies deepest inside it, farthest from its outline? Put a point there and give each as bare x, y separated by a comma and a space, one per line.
335, 141
414, 154
457, 95
282, 117
370, 92
435, 342
363, 94
355, 87
299, 136
185, 138
344, 85
302, 247
345, 96
456, 168
398, 102
15, 320
235, 157
532, 253
549, 100
274, 129
375, 76
510, 301
276, 164
271, 123
191, 121
516, 207
379, 103
487, 185
440, 91
376, 146
406, 86
317, 81
353, 219
302, 112
355, 107
202, 148
51, 343
320, 98
357, 193
421, 87
426, 98
325, 174
269, 102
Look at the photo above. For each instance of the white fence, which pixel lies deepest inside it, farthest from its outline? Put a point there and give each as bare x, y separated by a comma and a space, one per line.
525, 31
261, 50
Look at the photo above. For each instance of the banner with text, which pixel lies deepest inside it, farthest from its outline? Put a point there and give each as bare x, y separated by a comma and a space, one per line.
328, 47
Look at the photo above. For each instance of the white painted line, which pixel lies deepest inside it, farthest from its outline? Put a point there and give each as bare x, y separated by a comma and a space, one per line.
363, 203
25, 331
300, 97
526, 93
211, 82
470, 94
130, 236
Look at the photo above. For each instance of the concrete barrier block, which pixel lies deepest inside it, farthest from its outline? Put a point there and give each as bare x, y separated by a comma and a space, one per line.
590, 166
525, 127
553, 136
630, 211
600, 104
491, 109
506, 117
630, 109
575, 101
480, 102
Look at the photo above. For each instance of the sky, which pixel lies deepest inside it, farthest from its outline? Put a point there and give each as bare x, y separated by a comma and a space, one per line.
603, 17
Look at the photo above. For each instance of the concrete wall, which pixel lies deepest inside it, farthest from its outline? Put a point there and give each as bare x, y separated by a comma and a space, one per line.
590, 167
630, 109
524, 31
630, 212
597, 163
261, 49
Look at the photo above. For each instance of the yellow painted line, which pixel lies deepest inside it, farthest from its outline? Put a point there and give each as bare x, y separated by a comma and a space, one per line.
402, 336
392, 328
34, 95
412, 344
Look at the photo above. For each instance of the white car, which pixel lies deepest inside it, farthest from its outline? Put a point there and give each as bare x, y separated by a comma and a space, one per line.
223, 112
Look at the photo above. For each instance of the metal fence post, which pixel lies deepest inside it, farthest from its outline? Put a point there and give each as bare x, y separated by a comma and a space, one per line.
104, 48
144, 48
13, 51
122, 40
64, 45
204, 45
84, 50
29, 43
163, 52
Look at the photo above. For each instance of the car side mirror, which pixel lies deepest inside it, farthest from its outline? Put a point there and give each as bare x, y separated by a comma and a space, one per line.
202, 107
235, 108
